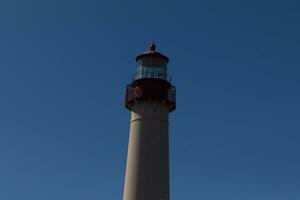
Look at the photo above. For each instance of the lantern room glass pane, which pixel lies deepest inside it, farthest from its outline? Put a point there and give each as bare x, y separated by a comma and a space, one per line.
151, 72
151, 67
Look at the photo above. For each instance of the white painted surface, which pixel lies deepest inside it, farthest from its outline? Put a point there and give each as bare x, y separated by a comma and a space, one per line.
147, 170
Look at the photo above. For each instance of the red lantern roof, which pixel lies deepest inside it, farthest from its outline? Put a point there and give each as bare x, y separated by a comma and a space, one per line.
152, 53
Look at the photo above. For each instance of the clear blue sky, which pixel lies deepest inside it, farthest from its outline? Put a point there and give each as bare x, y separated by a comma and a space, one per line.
63, 69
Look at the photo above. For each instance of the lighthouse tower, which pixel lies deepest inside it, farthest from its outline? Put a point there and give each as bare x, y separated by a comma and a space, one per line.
150, 97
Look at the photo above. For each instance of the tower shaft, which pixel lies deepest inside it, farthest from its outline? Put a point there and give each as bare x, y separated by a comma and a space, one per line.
147, 172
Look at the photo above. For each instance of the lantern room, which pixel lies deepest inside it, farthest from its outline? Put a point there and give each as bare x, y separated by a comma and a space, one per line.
151, 81
152, 64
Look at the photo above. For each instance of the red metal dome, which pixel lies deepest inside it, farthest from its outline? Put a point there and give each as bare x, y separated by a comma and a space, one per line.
152, 53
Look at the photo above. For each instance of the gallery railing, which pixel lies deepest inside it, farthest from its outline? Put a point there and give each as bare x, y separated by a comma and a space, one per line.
133, 93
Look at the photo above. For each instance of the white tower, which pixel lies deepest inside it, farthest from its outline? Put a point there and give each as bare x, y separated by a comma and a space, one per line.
150, 97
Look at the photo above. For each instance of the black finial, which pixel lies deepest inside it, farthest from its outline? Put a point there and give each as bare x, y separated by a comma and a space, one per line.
152, 47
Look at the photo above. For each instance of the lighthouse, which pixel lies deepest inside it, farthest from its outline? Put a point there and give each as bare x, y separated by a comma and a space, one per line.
150, 97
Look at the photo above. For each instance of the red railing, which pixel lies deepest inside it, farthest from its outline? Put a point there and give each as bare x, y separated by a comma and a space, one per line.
135, 93
130, 96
